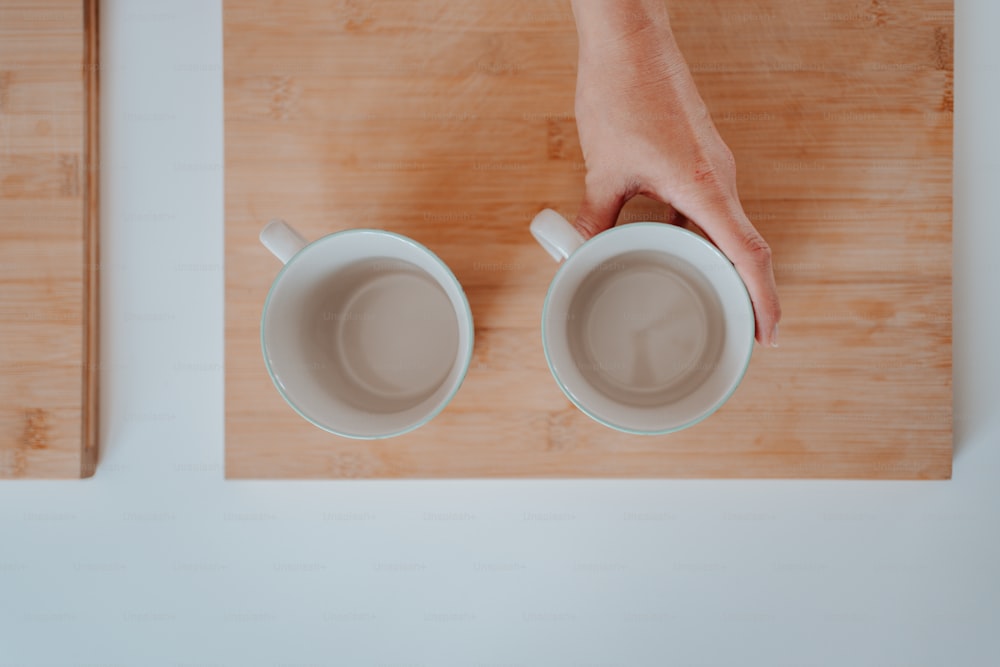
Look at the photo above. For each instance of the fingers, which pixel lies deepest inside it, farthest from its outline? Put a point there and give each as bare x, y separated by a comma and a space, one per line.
599, 210
751, 255
728, 227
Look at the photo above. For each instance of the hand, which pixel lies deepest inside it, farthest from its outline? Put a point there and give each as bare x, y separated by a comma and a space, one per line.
644, 129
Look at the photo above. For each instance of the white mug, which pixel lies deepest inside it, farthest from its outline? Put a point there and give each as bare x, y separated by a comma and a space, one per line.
647, 328
365, 333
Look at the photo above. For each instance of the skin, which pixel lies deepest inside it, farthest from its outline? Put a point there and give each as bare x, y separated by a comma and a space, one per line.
644, 129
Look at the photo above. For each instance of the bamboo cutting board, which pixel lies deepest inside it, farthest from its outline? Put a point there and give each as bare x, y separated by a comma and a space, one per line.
48, 238
452, 122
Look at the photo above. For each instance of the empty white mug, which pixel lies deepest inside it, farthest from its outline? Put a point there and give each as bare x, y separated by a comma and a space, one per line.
365, 333
647, 328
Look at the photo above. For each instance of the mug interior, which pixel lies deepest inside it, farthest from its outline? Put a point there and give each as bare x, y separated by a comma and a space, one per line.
366, 333
648, 328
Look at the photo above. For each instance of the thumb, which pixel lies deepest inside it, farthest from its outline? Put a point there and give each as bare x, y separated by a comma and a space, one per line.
598, 211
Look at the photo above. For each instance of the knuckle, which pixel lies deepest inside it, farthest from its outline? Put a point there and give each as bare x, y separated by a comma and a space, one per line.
757, 248
705, 169
725, 164
587, 226
715, 169
727, 161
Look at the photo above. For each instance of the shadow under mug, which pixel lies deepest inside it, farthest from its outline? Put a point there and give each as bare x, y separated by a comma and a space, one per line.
647, 328
365, 333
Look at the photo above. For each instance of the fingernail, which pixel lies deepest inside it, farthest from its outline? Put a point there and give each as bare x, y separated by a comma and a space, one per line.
774, 336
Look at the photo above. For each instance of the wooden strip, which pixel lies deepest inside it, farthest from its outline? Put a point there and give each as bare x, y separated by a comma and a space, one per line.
48, 238
90, 435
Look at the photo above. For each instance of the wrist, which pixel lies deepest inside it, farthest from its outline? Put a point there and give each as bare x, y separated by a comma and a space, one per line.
634, 34
610, 22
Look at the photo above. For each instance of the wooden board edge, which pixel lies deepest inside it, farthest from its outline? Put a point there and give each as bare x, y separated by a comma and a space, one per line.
947, 469
939, 468
91, 246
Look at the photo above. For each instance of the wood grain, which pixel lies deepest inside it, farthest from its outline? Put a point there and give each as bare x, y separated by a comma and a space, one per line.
452, 122
48, 238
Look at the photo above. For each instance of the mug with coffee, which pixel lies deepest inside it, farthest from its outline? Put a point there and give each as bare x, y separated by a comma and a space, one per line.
365, 333
647, 328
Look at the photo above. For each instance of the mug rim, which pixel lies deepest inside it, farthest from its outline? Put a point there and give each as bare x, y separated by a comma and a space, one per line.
669, 228
467, 311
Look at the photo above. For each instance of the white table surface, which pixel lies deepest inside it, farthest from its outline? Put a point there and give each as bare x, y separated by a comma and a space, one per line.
158, 561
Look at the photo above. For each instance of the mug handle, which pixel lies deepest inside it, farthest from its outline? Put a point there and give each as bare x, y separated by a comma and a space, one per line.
282, 240
555, 233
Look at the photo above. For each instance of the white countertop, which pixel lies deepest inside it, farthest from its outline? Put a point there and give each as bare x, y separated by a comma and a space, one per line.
158, 561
